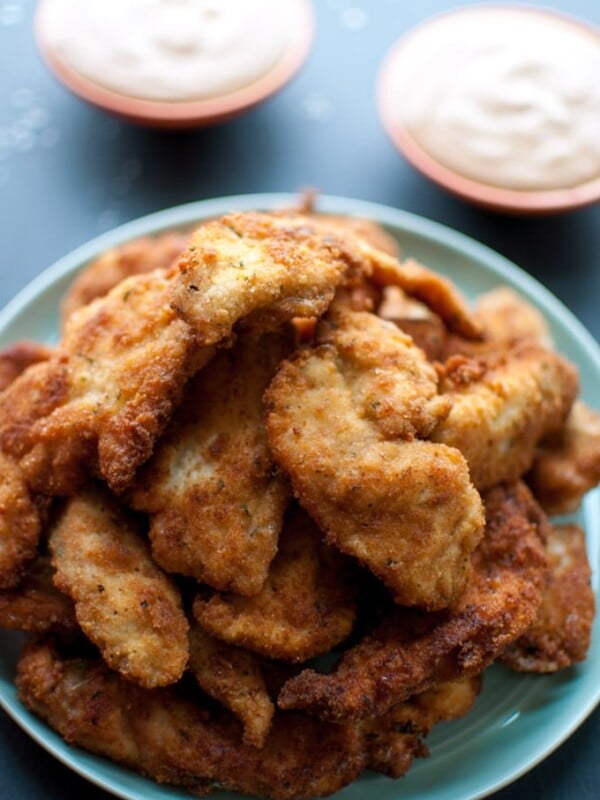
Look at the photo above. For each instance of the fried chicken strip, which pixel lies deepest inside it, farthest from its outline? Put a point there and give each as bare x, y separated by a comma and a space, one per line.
123, 602
409, 651
36, 605
233, 677
341, 422
21, 513
306, 607
567, 463
137, 257
506, 320
560, 635
502, 406
101, 401
215, 497
260, 268
175, 740
20, 523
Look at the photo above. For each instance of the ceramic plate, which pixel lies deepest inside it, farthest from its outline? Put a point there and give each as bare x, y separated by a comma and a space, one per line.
518, 719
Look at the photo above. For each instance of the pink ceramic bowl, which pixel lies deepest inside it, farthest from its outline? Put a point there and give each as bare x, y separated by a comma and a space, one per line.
522, 202
189, 113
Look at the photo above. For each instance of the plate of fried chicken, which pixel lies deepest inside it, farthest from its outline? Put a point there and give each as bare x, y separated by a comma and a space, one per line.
297, 502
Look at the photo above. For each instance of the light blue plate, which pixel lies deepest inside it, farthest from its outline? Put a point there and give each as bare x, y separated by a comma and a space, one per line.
518, 719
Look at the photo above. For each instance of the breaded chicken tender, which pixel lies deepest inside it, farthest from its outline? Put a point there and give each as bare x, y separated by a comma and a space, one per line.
560, 635
105, 397
20, 523
233, 677
502, 406
506, 320
137, 257
176, 740
36, 605
123, 602
259, 268
409, 652
215, 497
106, 394
341, 422
306, 607
15, 359
567, 463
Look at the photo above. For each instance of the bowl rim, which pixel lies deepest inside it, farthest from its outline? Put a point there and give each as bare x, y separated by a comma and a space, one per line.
182, 113
499, 198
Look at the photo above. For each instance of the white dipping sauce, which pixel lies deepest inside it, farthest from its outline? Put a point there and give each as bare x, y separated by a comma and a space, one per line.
504, 96
168, 49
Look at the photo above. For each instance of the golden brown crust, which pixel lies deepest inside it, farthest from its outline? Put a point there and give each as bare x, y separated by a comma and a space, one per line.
20, 523
306, 607
123, 602
502, 406
176, 740
567, 463
215, 498
15, 359
131, 258
233, 677
261, 268
409, 652
36, 605
406, 509
560, 635
506, 320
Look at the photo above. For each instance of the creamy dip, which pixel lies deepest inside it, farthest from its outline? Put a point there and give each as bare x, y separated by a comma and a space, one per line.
169, 49
504, 96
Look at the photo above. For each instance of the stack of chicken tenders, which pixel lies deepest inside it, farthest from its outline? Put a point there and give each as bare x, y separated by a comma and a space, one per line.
268, 442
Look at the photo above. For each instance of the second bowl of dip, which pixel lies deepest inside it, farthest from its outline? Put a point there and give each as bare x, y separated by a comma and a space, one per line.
500, 105
174, 63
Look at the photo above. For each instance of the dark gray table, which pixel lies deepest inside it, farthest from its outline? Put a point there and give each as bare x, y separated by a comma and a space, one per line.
68, 172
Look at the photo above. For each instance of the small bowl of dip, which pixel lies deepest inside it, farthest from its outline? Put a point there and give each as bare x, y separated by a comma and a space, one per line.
500, 105
174, 63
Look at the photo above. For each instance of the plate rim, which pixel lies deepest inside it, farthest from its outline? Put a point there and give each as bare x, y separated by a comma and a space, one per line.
416, 225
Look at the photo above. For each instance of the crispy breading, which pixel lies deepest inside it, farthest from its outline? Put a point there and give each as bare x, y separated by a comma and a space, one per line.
435, 291
106, 394
15, 359
502, 406
408, 652
560, 635
567, 463
180, 741
406, 509
259, 268
131, 258
233, 677
215, 497
306, 607
20, 523
123, 602
176, 740
36, 605
506, 319
102, 401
